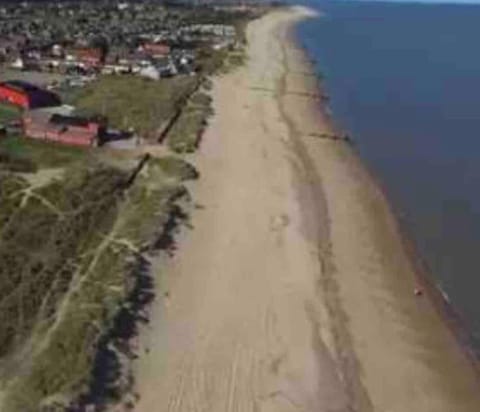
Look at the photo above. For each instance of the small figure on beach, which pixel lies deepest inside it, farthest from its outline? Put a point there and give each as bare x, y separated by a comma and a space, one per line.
418, 291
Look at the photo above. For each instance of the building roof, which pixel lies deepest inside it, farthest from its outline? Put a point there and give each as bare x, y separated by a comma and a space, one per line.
37, 97
20, 86
67, 129
59, 119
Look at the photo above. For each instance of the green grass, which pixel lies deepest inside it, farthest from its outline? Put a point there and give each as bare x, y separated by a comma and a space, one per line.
133, 102
49, 242
9, 113
174, 168
186, 133
236, 58
65, 259
27, 155
211, 61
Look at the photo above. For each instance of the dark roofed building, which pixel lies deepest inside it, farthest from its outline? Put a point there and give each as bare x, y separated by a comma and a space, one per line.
27, 95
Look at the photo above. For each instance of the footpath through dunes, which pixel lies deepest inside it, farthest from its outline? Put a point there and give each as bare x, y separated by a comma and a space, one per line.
292, 291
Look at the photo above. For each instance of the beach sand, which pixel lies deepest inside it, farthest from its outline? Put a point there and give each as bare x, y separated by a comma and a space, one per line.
293, 291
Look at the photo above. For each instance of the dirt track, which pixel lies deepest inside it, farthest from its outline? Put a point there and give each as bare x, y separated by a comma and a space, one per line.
292, 291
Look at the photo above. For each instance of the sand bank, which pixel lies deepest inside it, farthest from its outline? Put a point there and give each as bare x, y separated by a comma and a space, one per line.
293, 290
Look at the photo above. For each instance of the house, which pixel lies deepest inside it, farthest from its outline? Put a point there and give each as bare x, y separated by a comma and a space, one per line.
57, 50
7, 46
67, 129
156, 49
164, 67
89, 57
149, 72
27, 95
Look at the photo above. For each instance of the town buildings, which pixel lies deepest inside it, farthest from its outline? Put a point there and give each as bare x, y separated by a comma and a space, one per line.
85, 37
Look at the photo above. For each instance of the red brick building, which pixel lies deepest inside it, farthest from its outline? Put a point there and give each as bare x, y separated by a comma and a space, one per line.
90, 57
70, 130
156, 49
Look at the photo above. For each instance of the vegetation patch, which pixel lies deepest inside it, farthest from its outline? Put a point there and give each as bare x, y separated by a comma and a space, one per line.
185, 134
209, 60
9, 113
175, 168
69, 250
51, 246
22, 154
236, 58
132, 102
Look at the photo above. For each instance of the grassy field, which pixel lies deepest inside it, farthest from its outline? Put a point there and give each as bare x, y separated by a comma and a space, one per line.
20, 154
8, 113
67, 243
133, 102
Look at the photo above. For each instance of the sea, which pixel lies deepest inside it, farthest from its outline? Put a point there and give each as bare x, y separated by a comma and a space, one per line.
404, 82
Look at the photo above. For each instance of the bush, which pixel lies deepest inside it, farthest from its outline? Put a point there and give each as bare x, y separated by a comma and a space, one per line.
185, 134
31, 154
12, 163
176, 168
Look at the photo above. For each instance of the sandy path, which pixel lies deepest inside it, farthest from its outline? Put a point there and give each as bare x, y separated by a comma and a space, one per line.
293, 291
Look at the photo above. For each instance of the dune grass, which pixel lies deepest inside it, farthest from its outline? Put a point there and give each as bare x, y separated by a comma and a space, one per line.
186, 133
66, 249
21, 154
132, 102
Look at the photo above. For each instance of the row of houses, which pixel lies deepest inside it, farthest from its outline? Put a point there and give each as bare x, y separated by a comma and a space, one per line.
172, 51
147, 58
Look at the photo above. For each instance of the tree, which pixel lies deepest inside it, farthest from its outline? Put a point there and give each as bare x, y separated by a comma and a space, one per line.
101, 42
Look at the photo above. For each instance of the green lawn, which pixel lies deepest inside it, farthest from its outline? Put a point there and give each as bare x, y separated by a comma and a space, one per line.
8, 113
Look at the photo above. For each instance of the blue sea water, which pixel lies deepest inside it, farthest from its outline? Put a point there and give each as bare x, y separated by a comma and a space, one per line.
404, 80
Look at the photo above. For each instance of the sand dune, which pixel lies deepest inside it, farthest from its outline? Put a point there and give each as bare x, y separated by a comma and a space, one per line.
293, 291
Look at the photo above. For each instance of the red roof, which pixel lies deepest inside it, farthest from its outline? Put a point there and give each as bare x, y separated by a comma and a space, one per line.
62, 129
89, 56
157, 49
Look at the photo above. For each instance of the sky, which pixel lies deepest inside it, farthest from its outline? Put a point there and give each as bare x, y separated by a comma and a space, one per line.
432, 1
424, 1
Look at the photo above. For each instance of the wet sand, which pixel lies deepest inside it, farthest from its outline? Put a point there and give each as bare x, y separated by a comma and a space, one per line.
293, 291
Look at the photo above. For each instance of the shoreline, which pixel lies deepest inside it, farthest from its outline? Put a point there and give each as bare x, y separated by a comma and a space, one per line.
423, 276
432, 290
294, 289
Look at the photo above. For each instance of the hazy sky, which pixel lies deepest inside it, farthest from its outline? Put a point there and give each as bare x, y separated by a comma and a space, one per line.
432, 1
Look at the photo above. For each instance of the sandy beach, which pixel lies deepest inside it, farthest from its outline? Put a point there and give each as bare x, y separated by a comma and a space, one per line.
293, 290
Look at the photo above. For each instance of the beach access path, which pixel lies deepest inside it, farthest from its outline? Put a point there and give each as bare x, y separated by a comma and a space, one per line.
292, 291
